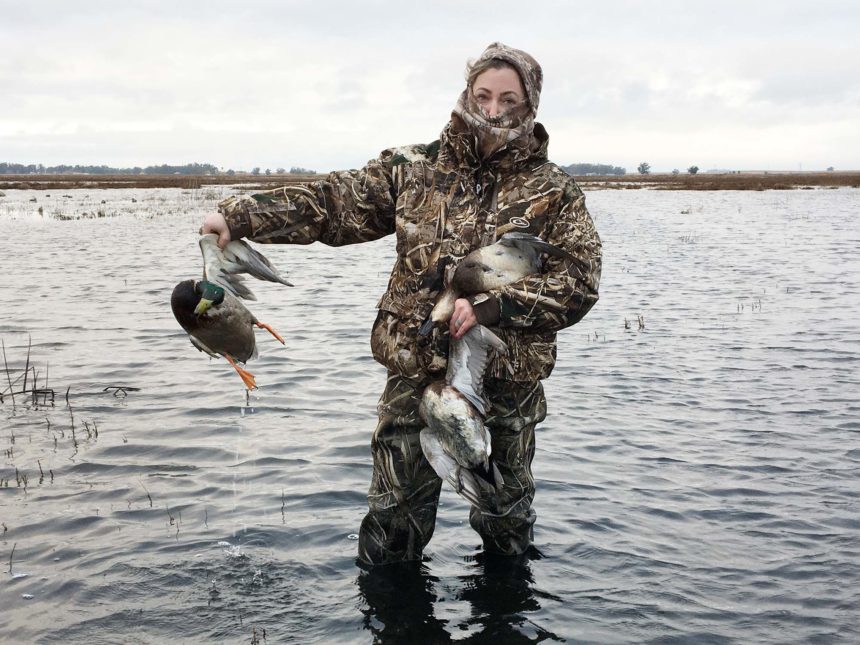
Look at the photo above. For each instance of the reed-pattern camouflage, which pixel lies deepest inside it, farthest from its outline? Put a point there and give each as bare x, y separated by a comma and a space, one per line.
405, 490
442, 202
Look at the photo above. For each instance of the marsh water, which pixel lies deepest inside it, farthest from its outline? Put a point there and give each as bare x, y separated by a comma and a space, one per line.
698, 473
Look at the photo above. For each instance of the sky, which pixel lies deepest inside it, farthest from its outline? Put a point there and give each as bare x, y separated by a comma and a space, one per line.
770, 85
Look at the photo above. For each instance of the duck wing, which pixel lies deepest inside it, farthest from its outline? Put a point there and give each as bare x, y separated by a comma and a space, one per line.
479, 486
467, 362
227, 329
248, 260
532, 244
201, 346
223, 267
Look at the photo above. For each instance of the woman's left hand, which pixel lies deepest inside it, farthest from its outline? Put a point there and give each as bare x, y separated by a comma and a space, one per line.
463, 318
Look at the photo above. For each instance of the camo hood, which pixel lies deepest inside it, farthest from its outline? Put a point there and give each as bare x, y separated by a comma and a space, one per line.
527, 67
511, 129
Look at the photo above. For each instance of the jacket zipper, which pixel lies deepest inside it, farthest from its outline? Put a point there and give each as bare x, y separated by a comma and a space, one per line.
491, 210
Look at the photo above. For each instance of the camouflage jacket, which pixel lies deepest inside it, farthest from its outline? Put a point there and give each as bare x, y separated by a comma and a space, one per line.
442, 202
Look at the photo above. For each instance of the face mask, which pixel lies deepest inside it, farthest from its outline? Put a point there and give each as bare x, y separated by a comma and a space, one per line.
493, 133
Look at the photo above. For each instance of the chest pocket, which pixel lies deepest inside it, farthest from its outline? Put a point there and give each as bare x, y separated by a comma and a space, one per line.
530, 213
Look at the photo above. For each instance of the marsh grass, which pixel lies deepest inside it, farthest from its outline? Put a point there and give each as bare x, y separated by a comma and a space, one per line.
27, 397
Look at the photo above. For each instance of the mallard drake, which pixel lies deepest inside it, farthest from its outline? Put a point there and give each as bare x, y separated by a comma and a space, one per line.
210, 310
456, 442
513, 257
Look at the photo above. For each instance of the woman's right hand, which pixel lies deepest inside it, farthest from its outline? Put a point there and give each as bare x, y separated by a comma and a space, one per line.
215, 223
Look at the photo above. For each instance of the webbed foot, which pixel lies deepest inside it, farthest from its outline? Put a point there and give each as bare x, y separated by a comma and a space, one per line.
247, 378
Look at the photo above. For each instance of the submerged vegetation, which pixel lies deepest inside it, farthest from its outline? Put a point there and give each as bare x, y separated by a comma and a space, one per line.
27, 397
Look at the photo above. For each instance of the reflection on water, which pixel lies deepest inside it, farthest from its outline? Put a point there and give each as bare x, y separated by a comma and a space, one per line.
697, 475
399, 602
503, 599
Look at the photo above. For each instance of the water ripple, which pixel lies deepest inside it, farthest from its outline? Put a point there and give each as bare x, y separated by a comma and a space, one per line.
696, 475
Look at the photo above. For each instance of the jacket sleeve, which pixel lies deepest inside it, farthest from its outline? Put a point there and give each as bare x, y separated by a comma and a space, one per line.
565, 291
346, 207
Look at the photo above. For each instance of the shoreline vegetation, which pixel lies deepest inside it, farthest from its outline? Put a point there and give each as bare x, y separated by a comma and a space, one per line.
763, 180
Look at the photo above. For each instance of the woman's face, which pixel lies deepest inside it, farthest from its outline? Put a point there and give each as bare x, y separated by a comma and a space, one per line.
498, 91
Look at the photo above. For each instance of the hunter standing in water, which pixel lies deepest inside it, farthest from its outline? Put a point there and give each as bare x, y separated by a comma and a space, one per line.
487, 174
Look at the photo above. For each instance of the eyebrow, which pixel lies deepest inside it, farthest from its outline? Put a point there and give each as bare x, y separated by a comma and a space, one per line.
484, 89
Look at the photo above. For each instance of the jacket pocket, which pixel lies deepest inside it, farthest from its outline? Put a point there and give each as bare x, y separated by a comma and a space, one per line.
395, 343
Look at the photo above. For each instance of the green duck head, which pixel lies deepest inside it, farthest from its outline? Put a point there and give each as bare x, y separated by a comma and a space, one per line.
211, 295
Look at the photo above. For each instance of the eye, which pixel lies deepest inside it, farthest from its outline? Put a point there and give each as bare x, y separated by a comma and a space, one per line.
482, 98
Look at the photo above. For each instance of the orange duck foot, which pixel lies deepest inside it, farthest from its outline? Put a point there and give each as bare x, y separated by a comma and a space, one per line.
246, 376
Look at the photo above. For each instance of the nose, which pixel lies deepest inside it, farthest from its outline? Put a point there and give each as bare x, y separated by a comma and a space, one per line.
493, 108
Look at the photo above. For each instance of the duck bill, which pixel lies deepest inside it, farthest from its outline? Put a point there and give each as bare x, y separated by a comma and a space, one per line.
443, 310
203, 306
426, 328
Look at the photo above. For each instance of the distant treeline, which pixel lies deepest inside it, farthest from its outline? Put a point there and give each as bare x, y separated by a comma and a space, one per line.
7, 168
164, 169
593, 169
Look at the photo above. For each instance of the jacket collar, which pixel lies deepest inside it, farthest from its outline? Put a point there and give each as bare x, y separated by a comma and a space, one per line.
458, 149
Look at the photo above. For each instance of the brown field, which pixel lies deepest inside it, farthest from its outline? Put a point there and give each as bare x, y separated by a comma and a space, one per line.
728, 181
62, 182
733, 181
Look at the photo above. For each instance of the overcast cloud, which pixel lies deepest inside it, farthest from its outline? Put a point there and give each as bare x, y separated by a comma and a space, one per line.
325, 85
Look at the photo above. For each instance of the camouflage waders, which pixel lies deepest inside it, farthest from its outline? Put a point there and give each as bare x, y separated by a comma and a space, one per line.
404, 490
